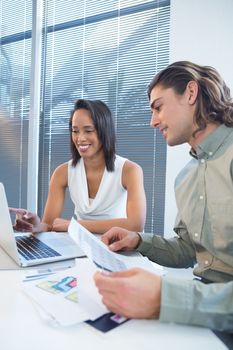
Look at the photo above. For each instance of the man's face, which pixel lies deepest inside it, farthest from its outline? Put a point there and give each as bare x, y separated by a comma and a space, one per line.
172, 114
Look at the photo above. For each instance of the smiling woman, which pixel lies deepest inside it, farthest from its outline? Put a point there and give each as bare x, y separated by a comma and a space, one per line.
84, 136
106, 189
92, 119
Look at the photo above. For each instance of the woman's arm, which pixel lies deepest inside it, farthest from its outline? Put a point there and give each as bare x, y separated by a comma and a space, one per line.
56, 196
132, 181
31, 222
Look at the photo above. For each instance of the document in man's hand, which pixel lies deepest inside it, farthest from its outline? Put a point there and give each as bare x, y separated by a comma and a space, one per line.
100, 254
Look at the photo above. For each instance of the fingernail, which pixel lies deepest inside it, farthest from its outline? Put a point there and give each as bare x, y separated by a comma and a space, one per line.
105, 273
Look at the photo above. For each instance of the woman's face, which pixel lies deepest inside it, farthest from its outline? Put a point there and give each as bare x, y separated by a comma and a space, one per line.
84, 134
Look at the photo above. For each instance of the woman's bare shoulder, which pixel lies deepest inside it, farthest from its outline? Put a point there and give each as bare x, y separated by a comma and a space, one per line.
60, 172
130, 166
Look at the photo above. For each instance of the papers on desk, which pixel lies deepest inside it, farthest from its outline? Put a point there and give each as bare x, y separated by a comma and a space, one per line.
68, 297
105, 259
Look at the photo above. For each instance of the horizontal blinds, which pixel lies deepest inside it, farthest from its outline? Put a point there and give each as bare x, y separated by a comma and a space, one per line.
105, 50
15, 66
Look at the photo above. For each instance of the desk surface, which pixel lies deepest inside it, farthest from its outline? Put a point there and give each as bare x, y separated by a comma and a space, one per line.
22, 328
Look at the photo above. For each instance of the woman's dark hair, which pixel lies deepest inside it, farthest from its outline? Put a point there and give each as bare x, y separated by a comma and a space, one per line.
104, 125
214, 102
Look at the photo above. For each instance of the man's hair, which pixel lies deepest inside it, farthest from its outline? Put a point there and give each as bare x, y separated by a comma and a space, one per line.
214, 102
104, 125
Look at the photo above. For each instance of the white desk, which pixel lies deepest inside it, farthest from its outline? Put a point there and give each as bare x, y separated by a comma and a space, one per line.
22, 328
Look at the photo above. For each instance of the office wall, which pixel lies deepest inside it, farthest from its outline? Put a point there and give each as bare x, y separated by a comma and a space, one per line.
202, 32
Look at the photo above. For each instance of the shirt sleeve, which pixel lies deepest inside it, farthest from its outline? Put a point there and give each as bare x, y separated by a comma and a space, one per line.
192, 302
175, 252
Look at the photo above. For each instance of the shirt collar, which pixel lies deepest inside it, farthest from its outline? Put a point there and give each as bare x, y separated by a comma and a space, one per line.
212, 143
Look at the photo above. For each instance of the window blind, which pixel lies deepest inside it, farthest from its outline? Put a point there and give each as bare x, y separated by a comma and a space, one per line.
15, 67
106, 50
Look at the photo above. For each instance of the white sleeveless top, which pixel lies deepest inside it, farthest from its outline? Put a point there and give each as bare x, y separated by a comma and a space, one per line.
110, 200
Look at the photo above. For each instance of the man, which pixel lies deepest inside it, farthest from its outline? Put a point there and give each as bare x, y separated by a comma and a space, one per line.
189, 103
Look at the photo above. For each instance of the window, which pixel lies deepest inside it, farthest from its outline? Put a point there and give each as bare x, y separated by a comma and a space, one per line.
15, 68
92, 49
105, 50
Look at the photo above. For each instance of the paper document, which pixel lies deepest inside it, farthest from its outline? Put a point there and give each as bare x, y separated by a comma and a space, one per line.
100, 254
33, 274
91, 301
58, 295
88, 295
70, 296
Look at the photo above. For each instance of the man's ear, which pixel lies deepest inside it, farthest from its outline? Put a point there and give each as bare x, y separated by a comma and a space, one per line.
192, 91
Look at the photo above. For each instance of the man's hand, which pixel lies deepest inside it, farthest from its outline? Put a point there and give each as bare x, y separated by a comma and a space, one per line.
133, 293
121, 239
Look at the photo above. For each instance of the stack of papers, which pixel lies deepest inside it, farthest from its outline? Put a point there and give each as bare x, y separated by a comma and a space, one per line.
70, 296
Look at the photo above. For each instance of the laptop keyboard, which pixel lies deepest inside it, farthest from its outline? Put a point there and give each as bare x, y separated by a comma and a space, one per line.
32, 248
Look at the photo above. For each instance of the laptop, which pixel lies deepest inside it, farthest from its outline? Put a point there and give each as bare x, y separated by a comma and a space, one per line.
30, 250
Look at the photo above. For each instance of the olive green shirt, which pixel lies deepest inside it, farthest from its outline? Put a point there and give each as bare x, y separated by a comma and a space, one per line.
204, 228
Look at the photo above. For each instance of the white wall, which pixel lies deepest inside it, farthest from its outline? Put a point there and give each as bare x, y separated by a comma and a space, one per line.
201, 31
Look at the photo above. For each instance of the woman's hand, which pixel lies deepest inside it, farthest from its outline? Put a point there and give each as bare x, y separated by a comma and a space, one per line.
26, 221
60, 225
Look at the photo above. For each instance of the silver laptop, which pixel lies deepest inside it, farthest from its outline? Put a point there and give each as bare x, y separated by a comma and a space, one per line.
29, 250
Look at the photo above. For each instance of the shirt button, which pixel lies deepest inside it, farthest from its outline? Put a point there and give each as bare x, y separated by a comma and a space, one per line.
196, 234
210, 153
201, 197
206, 262
202, 160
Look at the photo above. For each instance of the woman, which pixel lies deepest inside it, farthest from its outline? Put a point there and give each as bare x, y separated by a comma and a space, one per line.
106, 189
